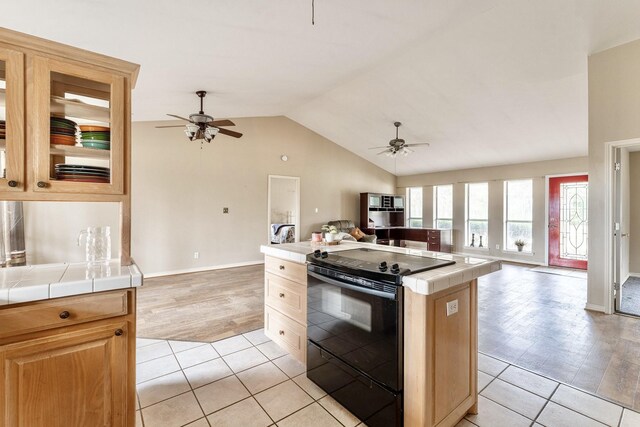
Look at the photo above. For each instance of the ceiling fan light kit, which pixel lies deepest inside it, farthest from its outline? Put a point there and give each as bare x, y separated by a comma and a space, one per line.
203, 126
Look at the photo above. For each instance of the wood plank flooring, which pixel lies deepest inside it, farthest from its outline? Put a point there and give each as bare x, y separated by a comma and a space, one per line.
205, 306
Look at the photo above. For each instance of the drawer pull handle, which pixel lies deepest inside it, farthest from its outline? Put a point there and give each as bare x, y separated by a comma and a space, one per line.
281, 332
282, 267
281, 295
13, 183
119, 332
65, 315
42, 184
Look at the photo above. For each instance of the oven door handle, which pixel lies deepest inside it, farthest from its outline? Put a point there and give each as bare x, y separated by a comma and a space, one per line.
364, 290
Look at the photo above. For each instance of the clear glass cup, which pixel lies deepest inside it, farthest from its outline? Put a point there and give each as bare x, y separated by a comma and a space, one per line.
97, 245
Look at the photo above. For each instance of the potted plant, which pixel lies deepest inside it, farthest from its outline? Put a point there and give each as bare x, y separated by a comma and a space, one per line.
330, 232
520, 244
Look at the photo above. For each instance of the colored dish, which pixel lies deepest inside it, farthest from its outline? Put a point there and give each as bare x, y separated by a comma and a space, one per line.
93, 128
63, 140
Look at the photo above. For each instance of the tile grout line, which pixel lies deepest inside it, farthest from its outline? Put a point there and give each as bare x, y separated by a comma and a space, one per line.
191, 388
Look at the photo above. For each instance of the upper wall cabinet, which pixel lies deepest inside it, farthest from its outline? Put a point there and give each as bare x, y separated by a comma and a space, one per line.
65, 120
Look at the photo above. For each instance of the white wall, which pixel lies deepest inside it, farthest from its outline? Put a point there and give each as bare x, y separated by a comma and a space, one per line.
537, 171
180, 187
51, 229
614, 115
634, 217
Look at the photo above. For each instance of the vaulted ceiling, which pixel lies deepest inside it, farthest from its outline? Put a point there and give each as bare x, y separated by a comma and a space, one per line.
485, 82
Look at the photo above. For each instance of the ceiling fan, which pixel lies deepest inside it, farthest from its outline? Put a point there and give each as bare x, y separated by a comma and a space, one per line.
202, 126
397, 145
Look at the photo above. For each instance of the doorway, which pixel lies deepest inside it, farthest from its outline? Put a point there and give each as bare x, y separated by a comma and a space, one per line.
568, 221
283, 210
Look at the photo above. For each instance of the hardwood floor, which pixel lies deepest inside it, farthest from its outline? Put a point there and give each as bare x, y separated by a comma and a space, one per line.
205, 306
538, 321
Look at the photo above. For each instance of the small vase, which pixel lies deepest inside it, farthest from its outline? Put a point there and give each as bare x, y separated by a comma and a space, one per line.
328, 237
520, 248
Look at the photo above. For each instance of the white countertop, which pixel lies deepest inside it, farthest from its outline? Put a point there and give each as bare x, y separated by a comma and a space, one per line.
426, 283
45, 281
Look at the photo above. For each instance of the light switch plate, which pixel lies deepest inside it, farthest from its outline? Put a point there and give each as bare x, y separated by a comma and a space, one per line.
452, 307
225, 210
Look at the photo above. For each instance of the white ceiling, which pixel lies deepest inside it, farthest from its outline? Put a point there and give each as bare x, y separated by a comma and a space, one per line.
486, 82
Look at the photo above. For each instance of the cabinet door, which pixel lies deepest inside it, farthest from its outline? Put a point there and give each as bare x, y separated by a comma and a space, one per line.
72, 379
78, 118
12, 175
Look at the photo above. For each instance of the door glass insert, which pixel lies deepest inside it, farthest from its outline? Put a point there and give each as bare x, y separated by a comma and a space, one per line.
573, 220
80, 133
3, 122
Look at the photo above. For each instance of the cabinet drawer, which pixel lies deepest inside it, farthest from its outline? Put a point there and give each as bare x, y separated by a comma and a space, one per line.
55, 313
287, 333
287, 269
434, 247
286, 296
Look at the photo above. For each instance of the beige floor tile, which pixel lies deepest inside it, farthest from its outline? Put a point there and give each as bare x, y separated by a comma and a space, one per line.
202, 422
178, 346
620, 381
630, 419
245, 359
143, 342
309, 386
283, 399
290, 365
139, 419
465, 423
256, 337
490, 365
162, 388
221, 393
207, 372
153, 351
555, 415
339, 412
231, 345
529, 381
483, 380
490, 414
311, 416
176, 411
196, 355
271, 350
515, 398
244, 413
262, 377
156, 368
593, 407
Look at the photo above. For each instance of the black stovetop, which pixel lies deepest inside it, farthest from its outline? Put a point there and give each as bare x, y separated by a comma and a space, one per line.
376, 264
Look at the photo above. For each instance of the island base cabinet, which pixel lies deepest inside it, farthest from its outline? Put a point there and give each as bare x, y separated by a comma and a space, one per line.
440, 356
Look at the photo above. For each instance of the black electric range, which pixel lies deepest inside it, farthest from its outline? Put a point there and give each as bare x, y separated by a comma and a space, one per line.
380, 265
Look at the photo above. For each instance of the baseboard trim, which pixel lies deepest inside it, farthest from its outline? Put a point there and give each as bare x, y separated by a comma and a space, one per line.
634, 274
200, 269
497, 258
594, 307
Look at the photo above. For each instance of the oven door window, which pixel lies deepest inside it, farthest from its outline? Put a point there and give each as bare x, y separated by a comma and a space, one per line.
362, 329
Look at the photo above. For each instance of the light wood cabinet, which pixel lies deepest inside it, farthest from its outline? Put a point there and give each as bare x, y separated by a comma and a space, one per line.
285, 317
77, 375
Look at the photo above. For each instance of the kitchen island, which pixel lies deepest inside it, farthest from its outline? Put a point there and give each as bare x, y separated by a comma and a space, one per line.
440, 326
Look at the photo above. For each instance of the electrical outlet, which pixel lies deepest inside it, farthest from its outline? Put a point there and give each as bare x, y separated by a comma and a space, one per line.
225, 210
498, 247
452, 307
196, 255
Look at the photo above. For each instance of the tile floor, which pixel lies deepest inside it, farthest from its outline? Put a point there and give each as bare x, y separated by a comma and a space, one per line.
247, 380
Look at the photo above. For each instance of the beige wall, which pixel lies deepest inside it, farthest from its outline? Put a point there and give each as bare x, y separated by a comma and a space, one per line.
179, 190
496, 176
614, 115
634, 229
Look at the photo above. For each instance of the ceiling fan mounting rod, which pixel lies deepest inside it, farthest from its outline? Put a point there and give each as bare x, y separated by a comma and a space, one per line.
201, 94
397, 125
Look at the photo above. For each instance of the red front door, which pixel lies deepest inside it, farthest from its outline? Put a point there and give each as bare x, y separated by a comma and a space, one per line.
568, 221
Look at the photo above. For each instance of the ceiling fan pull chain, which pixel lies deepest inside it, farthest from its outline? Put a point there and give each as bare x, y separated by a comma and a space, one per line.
313, 12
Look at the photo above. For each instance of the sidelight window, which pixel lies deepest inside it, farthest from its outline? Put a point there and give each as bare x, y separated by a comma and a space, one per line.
443, 206
518, 205
414, 196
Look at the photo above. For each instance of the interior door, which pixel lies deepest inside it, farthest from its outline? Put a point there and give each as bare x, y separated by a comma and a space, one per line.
568, 221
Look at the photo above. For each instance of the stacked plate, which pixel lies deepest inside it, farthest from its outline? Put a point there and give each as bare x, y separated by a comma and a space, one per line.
92, 136
82, 173
63, 131
3, 129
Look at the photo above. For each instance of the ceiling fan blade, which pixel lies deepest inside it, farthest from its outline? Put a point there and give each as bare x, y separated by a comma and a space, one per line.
175, 126
217, 123
230, 133
417, 144
383, 151
178, 117
377, 148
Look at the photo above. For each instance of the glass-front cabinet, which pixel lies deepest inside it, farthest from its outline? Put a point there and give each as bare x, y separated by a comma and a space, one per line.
78, 128
12, 149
